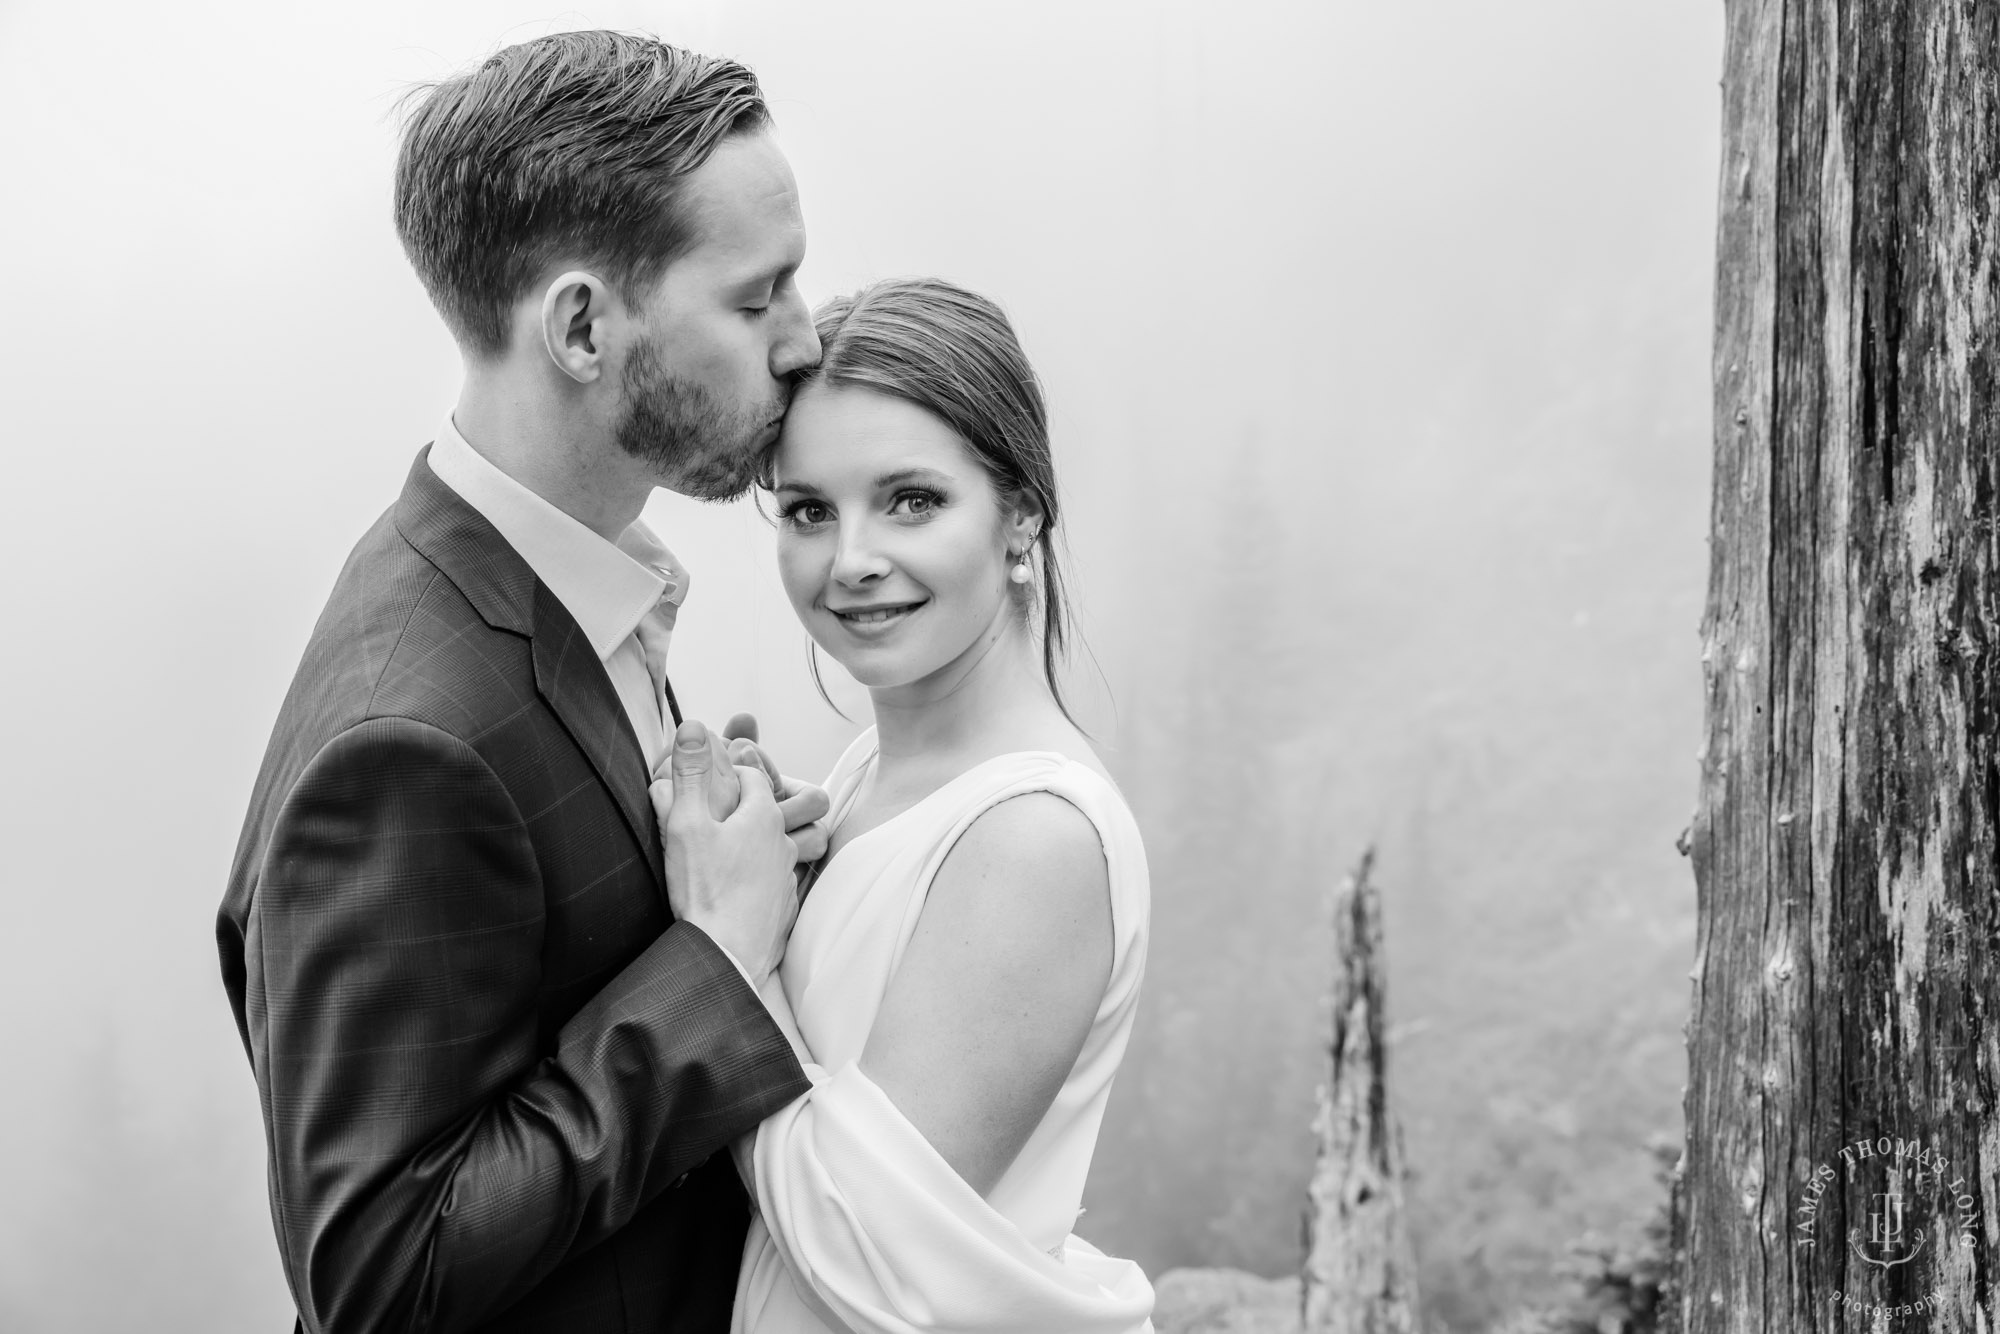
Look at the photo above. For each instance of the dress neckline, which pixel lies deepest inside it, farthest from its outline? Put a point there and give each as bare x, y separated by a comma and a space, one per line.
875, 754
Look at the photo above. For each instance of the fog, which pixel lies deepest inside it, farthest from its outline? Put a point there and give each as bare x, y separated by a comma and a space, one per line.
1376, 338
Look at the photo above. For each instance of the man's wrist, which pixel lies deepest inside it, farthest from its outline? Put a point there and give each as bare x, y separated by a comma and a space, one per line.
754, 982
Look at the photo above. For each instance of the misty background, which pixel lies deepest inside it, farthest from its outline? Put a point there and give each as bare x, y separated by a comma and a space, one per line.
1376, 338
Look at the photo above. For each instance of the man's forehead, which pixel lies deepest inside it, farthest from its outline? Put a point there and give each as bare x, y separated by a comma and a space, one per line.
744, 205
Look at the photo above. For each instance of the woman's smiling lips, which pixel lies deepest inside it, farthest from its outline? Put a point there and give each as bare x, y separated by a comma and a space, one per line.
876, 619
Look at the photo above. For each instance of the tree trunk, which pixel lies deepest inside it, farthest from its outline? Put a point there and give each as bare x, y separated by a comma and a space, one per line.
1359, 1275
1844, 1057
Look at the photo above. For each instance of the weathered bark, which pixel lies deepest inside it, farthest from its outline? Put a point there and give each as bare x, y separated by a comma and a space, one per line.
1848, 967
1360, 1273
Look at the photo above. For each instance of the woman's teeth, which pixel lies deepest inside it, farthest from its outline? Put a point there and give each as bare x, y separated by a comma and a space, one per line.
875, 615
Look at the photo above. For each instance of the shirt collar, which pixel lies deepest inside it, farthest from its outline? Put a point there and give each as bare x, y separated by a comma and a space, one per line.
607, 587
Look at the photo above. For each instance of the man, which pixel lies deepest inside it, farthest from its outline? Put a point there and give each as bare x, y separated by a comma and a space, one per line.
498, 1029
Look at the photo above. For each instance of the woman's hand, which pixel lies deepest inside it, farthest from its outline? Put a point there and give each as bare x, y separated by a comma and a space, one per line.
804, 806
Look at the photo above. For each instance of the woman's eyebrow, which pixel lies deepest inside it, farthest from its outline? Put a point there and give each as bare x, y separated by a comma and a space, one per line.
803, 488
901, 475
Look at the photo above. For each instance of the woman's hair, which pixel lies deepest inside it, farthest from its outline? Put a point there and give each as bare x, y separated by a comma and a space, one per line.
954, 354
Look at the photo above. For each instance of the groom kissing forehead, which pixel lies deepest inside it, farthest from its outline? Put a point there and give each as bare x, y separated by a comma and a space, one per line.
605, 222
501, 1015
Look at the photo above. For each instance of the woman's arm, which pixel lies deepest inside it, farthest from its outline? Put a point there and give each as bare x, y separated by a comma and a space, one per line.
999, 984
872, 1192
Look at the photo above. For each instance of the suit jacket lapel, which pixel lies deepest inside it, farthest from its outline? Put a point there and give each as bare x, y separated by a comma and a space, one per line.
573, 681
498, 583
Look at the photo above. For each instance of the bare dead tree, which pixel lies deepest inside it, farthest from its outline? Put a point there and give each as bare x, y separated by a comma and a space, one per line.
1844, 1057
1360, 1273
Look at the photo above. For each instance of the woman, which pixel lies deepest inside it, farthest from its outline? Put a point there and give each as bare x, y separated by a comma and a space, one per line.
964, 971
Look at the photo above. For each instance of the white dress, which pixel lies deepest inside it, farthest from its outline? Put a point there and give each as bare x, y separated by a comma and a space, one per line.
860, 1224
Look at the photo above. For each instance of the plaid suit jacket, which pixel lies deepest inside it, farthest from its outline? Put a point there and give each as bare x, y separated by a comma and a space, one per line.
494, 1071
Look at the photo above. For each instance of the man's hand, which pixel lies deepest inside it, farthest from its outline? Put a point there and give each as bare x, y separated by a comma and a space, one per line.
731, 873
805, 806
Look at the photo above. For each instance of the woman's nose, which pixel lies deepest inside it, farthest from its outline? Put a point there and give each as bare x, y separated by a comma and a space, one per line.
856, 560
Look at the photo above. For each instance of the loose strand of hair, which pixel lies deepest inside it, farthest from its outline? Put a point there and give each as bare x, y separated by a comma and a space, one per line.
819, 682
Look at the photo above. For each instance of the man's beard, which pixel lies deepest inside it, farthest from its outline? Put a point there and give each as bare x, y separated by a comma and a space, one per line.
693, 442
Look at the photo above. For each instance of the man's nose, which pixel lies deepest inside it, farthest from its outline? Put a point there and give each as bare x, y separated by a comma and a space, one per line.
797, 348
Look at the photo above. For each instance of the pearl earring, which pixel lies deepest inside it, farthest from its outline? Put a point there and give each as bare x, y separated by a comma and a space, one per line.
1021, 574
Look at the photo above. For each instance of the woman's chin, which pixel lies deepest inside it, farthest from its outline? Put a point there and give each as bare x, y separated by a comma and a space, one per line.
884, 669
866, 668
881, 675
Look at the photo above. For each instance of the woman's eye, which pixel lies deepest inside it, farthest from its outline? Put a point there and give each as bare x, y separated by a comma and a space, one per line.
756, 312
804, 514
917, 504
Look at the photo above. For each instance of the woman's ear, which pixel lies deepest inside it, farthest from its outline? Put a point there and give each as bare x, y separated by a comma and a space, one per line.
1023, 524
575, 310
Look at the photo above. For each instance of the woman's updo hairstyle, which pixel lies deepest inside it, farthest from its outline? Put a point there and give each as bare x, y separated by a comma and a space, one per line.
954, 354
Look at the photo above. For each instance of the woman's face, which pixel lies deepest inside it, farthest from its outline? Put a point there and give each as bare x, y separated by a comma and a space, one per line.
891, 540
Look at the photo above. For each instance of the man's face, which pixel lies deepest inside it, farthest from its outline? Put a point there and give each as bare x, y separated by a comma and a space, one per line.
724, 330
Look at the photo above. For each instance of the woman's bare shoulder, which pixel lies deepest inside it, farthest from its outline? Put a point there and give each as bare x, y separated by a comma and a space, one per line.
1034, 857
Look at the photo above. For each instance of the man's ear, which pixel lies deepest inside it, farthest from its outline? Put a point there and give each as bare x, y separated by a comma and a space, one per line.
575, 310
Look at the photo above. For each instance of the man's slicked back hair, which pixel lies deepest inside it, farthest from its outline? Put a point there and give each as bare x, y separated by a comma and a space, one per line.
574, 146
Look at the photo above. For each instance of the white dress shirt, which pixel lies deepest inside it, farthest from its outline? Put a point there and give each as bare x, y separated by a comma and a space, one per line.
608, 587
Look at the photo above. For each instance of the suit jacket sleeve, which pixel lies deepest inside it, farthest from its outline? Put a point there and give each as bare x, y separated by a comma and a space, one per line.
429, 1162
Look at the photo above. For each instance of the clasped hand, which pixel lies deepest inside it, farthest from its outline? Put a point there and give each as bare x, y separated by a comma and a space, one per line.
738, 836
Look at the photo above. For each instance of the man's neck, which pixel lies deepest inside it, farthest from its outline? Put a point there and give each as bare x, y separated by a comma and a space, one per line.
546, 450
